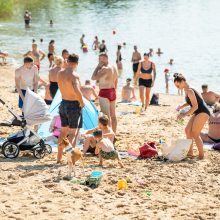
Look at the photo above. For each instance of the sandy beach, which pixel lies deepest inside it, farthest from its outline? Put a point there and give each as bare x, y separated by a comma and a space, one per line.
35, 189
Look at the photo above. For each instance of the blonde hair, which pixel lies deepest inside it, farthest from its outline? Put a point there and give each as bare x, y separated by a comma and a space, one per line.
58, 60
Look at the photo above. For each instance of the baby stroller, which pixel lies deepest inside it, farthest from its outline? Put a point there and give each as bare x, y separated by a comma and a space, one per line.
34, 113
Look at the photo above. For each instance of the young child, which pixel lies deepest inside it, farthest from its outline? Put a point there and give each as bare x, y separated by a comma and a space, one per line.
105, 148
90, 143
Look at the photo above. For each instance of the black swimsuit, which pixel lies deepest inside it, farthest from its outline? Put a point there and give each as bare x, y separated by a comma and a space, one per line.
146, 82
53, 88
202, 107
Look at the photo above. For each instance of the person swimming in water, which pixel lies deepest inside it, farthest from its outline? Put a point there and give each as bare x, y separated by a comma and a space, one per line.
147, 75
199, 113
159, 52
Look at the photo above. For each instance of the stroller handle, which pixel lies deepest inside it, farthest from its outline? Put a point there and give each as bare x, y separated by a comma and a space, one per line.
3, 103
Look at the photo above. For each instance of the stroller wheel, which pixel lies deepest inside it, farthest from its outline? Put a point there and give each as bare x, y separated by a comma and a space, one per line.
10, 150
39, 152
48, 148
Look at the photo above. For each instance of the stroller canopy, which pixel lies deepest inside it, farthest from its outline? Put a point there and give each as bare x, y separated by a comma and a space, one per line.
35, 109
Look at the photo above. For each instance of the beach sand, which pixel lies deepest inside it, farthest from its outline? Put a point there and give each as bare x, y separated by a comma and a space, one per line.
35, 189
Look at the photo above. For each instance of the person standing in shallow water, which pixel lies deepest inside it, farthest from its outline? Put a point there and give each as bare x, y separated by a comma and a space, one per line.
27, 18
136, 58
147, 75
199, 113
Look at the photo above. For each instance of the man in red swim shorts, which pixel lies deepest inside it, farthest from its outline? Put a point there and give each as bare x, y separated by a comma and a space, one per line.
107, 77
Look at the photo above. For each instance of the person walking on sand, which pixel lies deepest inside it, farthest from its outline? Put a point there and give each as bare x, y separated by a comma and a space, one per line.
71, 106
53, 74
199, 113
107, 76
119, 58
136, 58
26, 76
146, 80
37, 55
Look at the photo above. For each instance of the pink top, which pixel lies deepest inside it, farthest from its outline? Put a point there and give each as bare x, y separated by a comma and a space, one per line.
57, 126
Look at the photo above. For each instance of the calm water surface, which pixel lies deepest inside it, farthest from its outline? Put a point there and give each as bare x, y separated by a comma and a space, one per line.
187, 31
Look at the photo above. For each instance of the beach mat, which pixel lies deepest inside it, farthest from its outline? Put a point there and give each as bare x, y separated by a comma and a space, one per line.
208, 146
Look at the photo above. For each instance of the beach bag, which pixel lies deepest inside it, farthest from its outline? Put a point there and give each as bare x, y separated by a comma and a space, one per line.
216, 146
148, 150
155, 99
177, 150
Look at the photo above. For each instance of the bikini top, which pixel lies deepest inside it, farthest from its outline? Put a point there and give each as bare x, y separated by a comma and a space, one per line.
148, 71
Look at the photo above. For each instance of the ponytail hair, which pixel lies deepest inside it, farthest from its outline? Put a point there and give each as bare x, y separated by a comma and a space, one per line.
178, 77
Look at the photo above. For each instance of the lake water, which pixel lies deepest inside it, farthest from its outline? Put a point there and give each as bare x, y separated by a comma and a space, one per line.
186, 30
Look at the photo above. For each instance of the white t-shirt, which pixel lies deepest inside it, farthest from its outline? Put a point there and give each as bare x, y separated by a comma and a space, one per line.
26, 76
106, 145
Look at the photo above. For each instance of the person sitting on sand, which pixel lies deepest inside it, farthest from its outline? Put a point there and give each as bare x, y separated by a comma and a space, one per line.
159, 52
128, 93
199, 111
213, 135
105, 148
90, 143
55, 126
53, 73
89, 92
37, 55
26, 76
3, 55
210, 97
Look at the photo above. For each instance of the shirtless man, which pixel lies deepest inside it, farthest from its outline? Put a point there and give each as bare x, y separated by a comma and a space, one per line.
65, 55
89, 92
107, 76
209, 97
136, 57
128, 94
53, 73
26, 76
36, 54
70, 109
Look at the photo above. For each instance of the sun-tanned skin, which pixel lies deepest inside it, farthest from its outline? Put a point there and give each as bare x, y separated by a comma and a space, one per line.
107, 77
69, 85
89, 92
128, 93
210, 97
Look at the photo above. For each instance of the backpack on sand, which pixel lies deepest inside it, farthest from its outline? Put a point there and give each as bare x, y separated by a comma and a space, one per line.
155, 99
148, 150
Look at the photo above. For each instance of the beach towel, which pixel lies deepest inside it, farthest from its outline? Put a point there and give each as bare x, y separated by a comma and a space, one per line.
148, 150
177, 150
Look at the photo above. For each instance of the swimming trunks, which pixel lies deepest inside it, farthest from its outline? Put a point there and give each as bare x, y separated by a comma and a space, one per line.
135, 67
214, 140
109, 94
53, 89
145, 82
70, 114
109, 155
202, 107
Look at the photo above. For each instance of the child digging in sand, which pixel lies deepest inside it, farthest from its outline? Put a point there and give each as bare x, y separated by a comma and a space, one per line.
105, 149
90, 143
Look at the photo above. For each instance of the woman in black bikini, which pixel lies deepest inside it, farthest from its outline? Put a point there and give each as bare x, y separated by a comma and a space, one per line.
199, 111
146, 79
